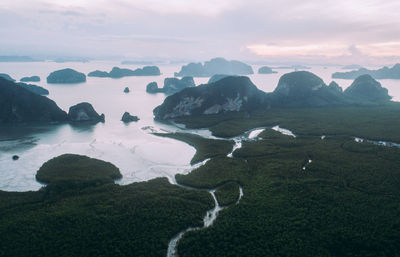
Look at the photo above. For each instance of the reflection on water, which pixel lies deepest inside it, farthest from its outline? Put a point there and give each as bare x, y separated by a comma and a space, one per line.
131, 147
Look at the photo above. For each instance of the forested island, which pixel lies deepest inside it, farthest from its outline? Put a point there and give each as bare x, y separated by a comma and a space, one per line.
117, 72
383, 73
66, 76
215, 66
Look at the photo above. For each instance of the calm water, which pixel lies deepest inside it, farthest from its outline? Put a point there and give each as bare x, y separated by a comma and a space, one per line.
139, 155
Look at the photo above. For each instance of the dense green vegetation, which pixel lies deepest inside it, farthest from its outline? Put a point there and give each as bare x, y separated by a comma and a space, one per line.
205, 148
346, 202
215, 172
373, 122
78, 169
227, 194
72, 219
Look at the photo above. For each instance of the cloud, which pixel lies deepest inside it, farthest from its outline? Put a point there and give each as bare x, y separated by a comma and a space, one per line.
252, 29
354, 50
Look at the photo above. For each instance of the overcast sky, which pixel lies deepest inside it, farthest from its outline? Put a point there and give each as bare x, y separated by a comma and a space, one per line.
308, 31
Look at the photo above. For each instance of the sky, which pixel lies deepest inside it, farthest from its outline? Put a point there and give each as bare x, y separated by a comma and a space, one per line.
284, 31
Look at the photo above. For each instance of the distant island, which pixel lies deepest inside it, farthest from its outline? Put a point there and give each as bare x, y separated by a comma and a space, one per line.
266, 70
72, 59
215, 66
117, 72
295, 90
383, 73
66, 76
30, 79
16, 58
171, 85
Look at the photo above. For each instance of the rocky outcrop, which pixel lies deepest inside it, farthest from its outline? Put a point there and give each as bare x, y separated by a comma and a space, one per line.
231, 94
266, 70
21, 105
7, 77
117, 72
34, 89
367, 89
84, 112
171, 85
215, 66
384, 73
66, 76
152, 88
30, 79
304, 89
126, 90
127, 117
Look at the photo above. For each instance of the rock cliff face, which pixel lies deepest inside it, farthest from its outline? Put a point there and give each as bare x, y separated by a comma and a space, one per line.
384, 73
225, 95
66, 76
117, 72
215, 66
367, 89
84, 112
20, 105
295, 90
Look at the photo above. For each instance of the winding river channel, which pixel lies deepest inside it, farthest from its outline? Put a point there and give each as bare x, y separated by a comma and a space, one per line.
251, 135
212, 214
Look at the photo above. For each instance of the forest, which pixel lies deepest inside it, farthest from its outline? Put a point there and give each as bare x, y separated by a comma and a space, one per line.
345, 202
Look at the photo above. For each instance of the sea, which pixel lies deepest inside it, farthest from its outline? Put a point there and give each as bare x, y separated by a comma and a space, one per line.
133, 148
